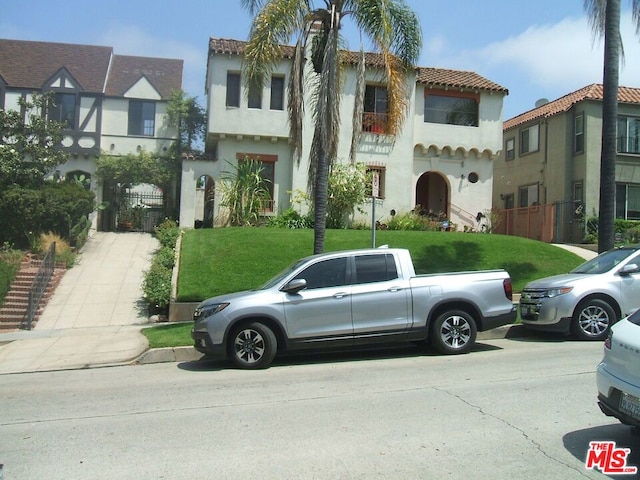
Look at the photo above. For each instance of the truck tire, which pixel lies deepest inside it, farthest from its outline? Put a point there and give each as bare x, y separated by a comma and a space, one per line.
453, 332
592, 319
252, 346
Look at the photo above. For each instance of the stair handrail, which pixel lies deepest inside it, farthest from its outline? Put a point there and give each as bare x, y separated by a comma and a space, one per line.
40, 282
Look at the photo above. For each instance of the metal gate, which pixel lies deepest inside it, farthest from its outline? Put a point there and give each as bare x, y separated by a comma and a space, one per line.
140, 208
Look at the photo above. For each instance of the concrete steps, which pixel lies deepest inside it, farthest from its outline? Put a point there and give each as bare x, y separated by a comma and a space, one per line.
16, 302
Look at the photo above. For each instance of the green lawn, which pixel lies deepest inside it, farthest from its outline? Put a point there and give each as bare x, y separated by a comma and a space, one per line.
223, 260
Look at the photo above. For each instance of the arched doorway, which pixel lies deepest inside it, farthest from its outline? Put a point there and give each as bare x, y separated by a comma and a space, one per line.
205, 202
432, 195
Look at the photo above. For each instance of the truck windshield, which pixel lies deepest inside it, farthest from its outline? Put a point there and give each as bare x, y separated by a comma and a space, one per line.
281, 276
604, 262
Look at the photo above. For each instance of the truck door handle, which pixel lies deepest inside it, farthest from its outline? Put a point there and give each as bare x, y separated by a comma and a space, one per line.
340, 295
394, 289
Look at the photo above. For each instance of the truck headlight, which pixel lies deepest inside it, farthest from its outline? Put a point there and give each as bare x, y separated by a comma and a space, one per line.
208, 310
554, 292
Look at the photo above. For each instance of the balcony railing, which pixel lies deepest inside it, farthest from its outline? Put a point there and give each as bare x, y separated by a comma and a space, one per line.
374, 122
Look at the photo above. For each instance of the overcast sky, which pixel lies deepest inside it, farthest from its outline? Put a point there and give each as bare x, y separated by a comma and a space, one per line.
541, 49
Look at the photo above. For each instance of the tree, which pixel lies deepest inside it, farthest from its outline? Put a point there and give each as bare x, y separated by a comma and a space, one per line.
604, 17
392, 27
189, 118
29, 143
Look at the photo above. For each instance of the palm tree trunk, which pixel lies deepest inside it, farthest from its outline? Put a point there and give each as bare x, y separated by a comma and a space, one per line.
606, 224
320, 193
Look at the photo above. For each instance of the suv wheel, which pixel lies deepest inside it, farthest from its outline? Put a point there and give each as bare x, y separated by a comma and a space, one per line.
592, 320
252, 346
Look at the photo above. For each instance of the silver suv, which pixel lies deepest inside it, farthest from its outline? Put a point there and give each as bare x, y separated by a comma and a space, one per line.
587, 300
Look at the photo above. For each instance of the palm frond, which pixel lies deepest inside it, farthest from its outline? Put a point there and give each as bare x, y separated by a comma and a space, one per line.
272, 27
295, 105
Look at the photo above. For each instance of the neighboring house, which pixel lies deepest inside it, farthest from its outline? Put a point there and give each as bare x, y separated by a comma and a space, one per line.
547, 178
111, 104
442, 160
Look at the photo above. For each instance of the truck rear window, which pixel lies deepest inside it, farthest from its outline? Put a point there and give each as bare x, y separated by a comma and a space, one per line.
375, 268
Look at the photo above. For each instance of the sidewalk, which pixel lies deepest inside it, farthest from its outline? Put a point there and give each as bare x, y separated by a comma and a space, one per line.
95, 315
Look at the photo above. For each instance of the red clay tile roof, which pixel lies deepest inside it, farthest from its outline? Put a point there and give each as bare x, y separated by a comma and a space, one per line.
441, 77
30, 64
438, 77
26, 64
563, 104
164, 74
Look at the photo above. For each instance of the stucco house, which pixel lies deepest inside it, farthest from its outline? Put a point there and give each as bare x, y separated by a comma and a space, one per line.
111, 104
442, 160
547, 177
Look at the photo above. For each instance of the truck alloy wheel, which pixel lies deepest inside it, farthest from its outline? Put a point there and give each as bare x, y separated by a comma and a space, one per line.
252, 346
454, 332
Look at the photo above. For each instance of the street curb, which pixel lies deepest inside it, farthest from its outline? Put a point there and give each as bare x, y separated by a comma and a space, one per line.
169, 354
189, 354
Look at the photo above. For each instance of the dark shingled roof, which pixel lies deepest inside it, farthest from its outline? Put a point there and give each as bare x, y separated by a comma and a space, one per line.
30, 64
437, 77
563, 104
164, 74
26, 64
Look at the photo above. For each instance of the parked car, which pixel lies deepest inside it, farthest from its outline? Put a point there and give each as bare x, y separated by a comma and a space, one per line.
356, 297
587, 300
618, 375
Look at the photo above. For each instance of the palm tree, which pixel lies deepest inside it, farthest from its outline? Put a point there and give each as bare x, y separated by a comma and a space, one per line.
393, 28
604, 17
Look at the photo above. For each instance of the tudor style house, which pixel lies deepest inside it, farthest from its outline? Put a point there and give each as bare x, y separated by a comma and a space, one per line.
547, 178
441, 162
111, 104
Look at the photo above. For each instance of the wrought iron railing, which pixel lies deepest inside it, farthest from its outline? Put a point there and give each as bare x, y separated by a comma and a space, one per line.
40, 282
374, 122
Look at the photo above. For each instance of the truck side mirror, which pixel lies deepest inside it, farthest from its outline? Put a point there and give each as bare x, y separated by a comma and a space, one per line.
294, 286
629, 268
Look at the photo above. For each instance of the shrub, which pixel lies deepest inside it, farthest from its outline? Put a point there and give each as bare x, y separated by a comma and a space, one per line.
167, 233
165, 257
9, 266
64, 253
291, 219
412, 221
53, 207
80, 232
157, 285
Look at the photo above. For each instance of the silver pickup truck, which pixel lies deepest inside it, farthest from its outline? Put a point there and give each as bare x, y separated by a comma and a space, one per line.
351, 298
587, 300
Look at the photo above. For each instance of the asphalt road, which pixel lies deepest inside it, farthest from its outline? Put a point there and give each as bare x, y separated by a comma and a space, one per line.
511, 409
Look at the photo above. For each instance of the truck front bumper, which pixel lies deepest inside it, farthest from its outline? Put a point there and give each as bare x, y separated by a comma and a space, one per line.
203, 344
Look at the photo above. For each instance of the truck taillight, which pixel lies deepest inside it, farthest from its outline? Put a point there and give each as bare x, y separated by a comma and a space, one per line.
508, 288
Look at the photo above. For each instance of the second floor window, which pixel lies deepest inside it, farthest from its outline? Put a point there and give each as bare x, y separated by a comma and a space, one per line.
255, 97
451, 110
578, 146
277, 93
64, 109
375, 109
510, 147
233, 89
628, 135
529, 139
142, 118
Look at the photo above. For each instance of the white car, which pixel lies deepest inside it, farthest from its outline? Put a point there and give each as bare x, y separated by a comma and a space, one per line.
618, 375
